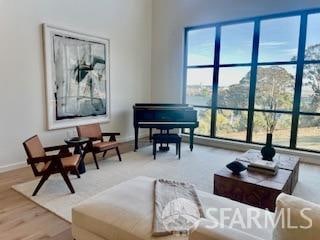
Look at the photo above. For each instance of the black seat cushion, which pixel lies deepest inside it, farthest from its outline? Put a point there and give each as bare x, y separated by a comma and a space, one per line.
166, 138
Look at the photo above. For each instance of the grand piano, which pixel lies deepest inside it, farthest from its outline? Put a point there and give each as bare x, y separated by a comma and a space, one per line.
163, 117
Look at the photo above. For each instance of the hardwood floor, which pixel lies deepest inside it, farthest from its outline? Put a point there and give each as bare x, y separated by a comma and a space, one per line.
22, 219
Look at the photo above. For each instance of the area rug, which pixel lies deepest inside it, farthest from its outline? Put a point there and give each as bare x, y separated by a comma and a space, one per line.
195, 167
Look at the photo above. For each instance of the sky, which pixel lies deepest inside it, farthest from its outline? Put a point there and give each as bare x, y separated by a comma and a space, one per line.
278, 42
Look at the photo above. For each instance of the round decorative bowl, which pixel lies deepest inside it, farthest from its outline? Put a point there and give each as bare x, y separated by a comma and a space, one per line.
236, 167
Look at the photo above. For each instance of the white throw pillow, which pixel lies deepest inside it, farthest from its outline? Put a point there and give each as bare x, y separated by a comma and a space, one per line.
296, 219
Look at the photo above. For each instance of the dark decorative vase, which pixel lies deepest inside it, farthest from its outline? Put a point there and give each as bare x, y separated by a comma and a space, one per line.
268, 151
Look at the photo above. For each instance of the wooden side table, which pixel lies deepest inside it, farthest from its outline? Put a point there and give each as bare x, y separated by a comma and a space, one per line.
77, 143
255, 189
286, 162
258, 189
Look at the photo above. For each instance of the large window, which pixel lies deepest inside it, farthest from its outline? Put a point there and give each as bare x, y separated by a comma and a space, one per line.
251, 76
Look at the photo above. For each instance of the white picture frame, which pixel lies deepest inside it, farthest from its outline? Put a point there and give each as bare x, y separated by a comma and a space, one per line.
96, 109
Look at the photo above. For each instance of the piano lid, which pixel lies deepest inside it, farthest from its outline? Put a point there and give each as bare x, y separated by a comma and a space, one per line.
161, 106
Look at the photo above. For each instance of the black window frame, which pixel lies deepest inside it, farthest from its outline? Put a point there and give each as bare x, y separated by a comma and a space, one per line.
299, 63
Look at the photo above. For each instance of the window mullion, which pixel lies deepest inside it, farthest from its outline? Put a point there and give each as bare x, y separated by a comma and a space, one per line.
298, 82
185, 66
253, 79
215, 80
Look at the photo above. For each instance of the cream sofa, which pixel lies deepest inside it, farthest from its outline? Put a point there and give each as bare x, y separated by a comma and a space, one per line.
125, 212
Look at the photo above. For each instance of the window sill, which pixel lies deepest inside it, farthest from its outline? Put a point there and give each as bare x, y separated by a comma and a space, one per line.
307, 157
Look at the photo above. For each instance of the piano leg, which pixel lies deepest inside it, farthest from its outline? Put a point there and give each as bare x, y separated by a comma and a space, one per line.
136, 136
150, 134
191, 138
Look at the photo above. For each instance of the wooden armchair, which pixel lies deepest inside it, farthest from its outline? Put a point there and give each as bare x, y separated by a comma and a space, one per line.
44, 165
97, 143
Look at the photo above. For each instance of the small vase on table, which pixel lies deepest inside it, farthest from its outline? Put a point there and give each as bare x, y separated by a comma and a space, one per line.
268, 150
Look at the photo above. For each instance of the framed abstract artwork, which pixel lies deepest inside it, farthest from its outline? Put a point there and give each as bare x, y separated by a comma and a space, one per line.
77, 78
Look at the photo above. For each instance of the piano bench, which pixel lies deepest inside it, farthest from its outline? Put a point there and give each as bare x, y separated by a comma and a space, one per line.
166, 138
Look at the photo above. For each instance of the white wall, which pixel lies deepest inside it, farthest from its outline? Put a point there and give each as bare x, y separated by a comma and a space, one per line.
169, 17
127, 23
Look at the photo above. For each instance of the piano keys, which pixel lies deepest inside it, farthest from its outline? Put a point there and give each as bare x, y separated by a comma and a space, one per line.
163, 117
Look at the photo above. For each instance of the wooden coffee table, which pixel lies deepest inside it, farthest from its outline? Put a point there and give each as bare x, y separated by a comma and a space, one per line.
257, 189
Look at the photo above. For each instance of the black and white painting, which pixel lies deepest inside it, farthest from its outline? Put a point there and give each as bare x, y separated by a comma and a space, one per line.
77, 69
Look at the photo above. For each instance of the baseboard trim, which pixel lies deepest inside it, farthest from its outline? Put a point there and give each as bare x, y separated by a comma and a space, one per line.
12, 166
131, 138
23, 164
306, 157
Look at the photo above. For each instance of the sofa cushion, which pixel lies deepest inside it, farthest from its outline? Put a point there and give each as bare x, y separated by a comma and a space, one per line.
125, 211
205, 231
122, 212
292, 223
254, 221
